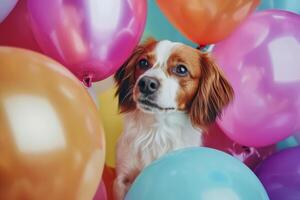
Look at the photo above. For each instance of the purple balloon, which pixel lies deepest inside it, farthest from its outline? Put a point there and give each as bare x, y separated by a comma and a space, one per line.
6, 7
262, 62
90, 37
280, 174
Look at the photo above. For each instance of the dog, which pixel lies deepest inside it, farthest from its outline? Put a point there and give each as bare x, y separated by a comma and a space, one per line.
169, 93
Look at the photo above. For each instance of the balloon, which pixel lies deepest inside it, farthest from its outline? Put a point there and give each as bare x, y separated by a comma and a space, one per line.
297, 137
109, 175
207, 22
157, 26
15, 29
91, 38
6, 7
112, 122
280, 174
101, 192
93, 94
51, 139
289, 5
261, 60
287, 143
250, 156
197, 174
104, 85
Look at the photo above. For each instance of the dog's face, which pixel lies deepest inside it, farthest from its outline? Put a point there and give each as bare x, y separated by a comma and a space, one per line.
167, 76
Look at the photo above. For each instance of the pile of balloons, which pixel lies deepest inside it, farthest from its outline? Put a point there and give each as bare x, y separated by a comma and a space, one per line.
91, 38
52, 142
259, 56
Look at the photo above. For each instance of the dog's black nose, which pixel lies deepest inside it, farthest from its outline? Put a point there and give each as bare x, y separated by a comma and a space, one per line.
148, 85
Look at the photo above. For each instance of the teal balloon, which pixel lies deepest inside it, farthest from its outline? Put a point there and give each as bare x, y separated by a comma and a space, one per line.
158, 27
288, 5
287, 143
197, 174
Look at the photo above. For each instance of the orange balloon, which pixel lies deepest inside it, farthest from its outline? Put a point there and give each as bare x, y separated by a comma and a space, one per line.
207, 21
51, 139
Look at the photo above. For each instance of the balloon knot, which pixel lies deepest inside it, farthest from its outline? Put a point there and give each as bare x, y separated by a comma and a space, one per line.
205, 48
87, 80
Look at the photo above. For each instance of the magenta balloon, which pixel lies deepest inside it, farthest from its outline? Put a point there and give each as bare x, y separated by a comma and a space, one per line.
262, 61
90, 37
280, 174
101, 192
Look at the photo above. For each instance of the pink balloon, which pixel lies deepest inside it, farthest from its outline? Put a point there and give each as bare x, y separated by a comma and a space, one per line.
15, 29
101, 192
6, 7
90, 37
262, 61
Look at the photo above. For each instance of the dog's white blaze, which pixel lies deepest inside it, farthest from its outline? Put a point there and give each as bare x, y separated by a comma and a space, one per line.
168, 93
163, 51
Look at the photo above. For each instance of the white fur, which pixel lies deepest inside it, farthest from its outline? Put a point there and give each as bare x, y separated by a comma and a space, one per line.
163, 51
148, 136
167, 93
169, 86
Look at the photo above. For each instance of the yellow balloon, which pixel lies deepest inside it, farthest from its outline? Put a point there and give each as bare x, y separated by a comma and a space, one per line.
112, 122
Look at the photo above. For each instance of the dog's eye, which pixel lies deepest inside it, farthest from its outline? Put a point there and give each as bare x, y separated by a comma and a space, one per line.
180, 70
144, 64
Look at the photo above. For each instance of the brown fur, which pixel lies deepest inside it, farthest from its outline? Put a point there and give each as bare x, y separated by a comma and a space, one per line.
188, 85
213, 94
127, 75
203, 93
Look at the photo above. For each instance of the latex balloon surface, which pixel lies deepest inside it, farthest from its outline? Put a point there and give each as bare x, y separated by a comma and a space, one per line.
112, 122
280, 174
250, 156
16, 31
51, 138
197, 174
261, 60
288, 5
207, 22
91, 38
159, 27
6, 7
101, 192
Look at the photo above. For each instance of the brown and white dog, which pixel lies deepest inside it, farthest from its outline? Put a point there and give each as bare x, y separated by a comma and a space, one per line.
169, 93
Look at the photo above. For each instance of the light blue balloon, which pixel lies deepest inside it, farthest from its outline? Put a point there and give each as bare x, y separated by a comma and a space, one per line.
157, 26
289, 5
6, 6
197, 174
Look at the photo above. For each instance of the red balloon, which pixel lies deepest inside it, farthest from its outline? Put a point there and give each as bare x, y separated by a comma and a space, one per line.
108, 177
251, 156
15, 29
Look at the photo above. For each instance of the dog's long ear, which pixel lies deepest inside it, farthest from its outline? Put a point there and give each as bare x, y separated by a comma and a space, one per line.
214, 93
125, 78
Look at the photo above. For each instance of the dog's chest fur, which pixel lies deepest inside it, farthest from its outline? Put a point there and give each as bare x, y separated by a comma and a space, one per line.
150, 136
